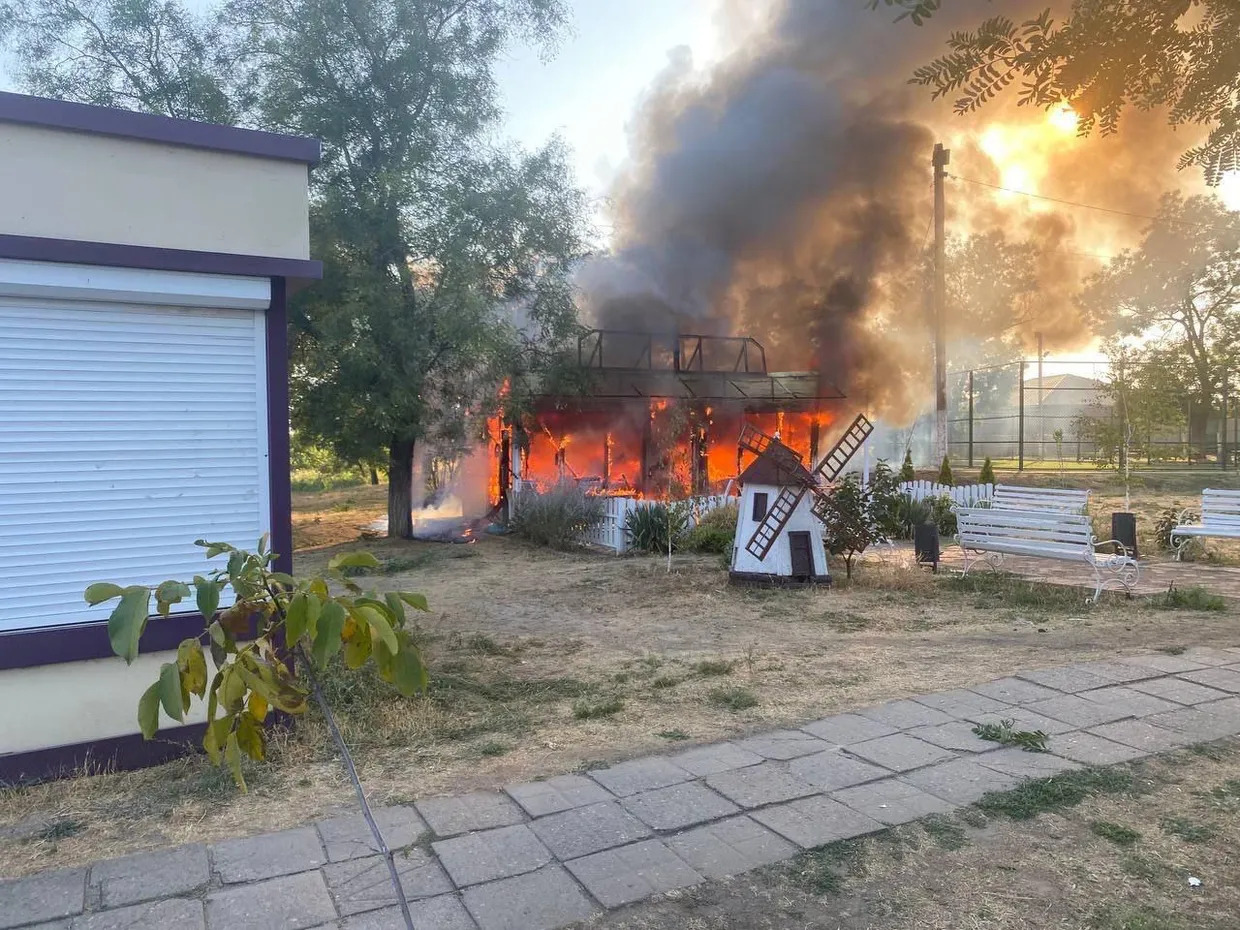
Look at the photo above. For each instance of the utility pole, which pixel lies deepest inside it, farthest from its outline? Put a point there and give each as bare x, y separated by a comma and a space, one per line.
1041, 416
940, 161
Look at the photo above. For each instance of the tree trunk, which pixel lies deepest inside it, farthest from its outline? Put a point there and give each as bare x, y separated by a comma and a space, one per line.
400, 488
1197, 418
374, 475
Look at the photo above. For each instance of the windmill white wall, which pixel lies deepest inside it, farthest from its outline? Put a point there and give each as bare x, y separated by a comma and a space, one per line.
778, 561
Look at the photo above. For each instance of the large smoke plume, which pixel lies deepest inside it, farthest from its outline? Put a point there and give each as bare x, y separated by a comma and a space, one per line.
786, 194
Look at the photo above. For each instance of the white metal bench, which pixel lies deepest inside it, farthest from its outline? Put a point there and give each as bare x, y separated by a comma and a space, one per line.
1220, 516
1042, 534
1015, 497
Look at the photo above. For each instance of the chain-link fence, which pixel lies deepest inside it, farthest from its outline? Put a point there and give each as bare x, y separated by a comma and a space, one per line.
1077, 414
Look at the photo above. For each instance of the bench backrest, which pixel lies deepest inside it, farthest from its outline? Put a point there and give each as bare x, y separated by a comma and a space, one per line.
1015, 497
1220, 507
1049, 528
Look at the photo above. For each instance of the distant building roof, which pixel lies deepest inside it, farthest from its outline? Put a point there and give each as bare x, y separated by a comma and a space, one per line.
778, 466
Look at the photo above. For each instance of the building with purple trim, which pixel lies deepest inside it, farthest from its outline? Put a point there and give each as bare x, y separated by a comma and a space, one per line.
144, 264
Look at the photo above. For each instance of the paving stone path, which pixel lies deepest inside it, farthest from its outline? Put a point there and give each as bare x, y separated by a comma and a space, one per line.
546, 854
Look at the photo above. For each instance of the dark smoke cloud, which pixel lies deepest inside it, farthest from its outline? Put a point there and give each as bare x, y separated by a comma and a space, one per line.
784, 192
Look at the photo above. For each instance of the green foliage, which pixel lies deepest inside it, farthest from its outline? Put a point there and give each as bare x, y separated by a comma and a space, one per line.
595, 707
274, 609
733, 699
715, 531
711, 667
943, 516
1056, 793
906, 469
1156, 58
886, 502
848, 519
1188, 831
945, 473
946, 833
1005, 733
913, 514
654, 527
1168, 520
987, 474
823, 870
1192, 598
1115, 832
675, 736
559, 517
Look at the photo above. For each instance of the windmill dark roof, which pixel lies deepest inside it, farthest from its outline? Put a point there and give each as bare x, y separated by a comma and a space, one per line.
777, 466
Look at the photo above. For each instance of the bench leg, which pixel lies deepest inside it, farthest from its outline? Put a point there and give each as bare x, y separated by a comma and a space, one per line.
993, 559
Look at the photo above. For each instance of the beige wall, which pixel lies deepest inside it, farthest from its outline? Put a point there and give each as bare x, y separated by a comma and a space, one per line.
79, 702
67, 185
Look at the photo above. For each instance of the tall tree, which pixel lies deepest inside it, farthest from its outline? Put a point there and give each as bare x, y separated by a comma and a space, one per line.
1180, 291
1103, 57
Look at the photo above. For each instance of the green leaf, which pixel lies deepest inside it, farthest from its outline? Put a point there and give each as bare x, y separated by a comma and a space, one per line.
169, 593
396, 607
208, 597
327, 640
236, 563
352, 560
313, 608
232, 756
283, 579
416, 601
128, 620
232, 689
148, 711
170, 691
410, 675
381, 628
214, 549
102, 591
295, 618
250, 737
216, 736
193, 666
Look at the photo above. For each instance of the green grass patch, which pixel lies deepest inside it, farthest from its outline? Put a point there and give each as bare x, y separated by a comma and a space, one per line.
484, 645
1127, 917
1056, 793
1225, 796
1000, 589
665, 681
714, 667
1189, 831
733, 699
1116, 833
60, 829
823, 870
1173, 650
846, 622
493, 748
1005, 733
1193, 598
592, 708
675, 736
945, 832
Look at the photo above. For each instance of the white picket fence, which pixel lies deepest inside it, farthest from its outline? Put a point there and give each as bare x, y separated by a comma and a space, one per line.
968, 495
610, 532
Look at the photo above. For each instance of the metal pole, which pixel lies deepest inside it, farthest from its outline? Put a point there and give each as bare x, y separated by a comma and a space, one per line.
970, 419
1020, 420
1041, 416
1222, 447
940, 161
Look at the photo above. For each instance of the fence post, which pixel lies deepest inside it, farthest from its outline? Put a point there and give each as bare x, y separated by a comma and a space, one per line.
1222, 441
1020, 418
970, 419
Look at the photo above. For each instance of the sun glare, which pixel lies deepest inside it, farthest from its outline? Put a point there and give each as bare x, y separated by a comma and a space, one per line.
1229, 190
1062, 117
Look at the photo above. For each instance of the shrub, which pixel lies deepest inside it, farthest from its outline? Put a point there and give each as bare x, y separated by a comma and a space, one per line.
987, 475
942, 515
906, 470
715, 531
650, 527
1194, 598
559, 517
1167, 521
913, 514
849, 525
885, 501
945, 472
734, 699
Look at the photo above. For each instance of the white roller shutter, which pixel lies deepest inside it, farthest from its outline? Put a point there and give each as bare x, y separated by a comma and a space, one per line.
127, 431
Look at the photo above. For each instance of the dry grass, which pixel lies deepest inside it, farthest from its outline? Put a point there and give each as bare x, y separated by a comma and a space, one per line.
976, 870
519, 636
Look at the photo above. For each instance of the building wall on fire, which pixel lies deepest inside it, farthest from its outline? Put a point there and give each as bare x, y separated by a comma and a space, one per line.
778, 560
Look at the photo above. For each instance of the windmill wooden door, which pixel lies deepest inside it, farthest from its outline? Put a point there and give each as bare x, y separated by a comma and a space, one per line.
802, 556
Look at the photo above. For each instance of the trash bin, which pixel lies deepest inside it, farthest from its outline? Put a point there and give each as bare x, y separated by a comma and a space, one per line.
926, 544
1124, 530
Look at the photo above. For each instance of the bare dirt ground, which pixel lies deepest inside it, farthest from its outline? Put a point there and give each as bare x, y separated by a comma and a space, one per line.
1120, 859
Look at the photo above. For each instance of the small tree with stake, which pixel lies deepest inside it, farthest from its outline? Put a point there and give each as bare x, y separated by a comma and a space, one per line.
849, 520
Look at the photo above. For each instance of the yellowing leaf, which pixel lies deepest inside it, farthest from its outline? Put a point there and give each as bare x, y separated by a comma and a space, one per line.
148, 711
250, 737
232, 756
357, 649
169, 593
257, 706
232, 689
170, 691
193, 666
214, 739
102, 591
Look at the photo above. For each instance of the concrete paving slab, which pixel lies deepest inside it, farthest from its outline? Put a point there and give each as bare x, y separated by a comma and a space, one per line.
349, 836
491, 854
1066, 679
830, 770
181, 913
957, 736
639, 775
900, 753
816, 821
678, 806
586, 830
892, 801
291, 902
1118, 672
730, 847
1163, 663
1014, 691
960, 782
446, 912
962, 703
631, 873
562, 793
904, 715
359, 885
254, 858
544, 900
1222, 679
1090, 749
756, 785
1022, 764
846, 729
1208, 655
715, 758
1140, 734
1178, 690
783, 744
1131, 702
1197, 724
482, 810
45, 896
1077, 711
182, 870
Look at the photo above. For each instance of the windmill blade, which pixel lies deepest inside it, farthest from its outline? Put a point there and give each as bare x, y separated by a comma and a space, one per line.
833, 463
775, 520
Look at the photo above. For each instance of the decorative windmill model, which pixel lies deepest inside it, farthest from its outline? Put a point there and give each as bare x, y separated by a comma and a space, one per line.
782, 499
